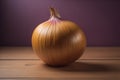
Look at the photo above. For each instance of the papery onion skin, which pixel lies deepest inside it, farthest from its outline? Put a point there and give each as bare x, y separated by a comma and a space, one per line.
58, 42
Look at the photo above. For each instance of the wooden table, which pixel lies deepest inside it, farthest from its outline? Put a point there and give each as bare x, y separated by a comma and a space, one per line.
97, 63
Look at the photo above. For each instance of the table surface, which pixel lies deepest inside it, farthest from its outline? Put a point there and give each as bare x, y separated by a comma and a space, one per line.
97, 63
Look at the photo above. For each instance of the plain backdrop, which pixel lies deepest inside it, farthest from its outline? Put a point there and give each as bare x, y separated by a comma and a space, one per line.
99, 19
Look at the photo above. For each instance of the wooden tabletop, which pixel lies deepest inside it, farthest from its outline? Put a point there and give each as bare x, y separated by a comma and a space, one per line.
97, 63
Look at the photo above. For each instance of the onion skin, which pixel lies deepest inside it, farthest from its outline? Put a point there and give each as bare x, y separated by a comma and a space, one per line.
58, 42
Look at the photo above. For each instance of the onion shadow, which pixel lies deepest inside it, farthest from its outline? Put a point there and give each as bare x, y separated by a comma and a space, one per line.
83, 67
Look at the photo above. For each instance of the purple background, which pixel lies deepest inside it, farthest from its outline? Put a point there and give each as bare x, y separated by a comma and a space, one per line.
99, 19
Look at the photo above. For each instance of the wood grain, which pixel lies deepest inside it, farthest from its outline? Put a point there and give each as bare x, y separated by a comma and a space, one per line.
97, 63
90, 53
79, 69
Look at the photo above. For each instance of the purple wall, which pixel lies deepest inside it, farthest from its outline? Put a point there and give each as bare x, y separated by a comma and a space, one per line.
100, 19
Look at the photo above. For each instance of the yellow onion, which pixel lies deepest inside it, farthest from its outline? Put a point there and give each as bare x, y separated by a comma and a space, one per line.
58, 42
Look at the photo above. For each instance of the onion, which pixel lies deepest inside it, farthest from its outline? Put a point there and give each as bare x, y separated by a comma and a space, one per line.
58, 42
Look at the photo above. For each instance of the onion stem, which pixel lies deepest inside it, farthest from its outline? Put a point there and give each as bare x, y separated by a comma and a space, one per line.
54, 13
